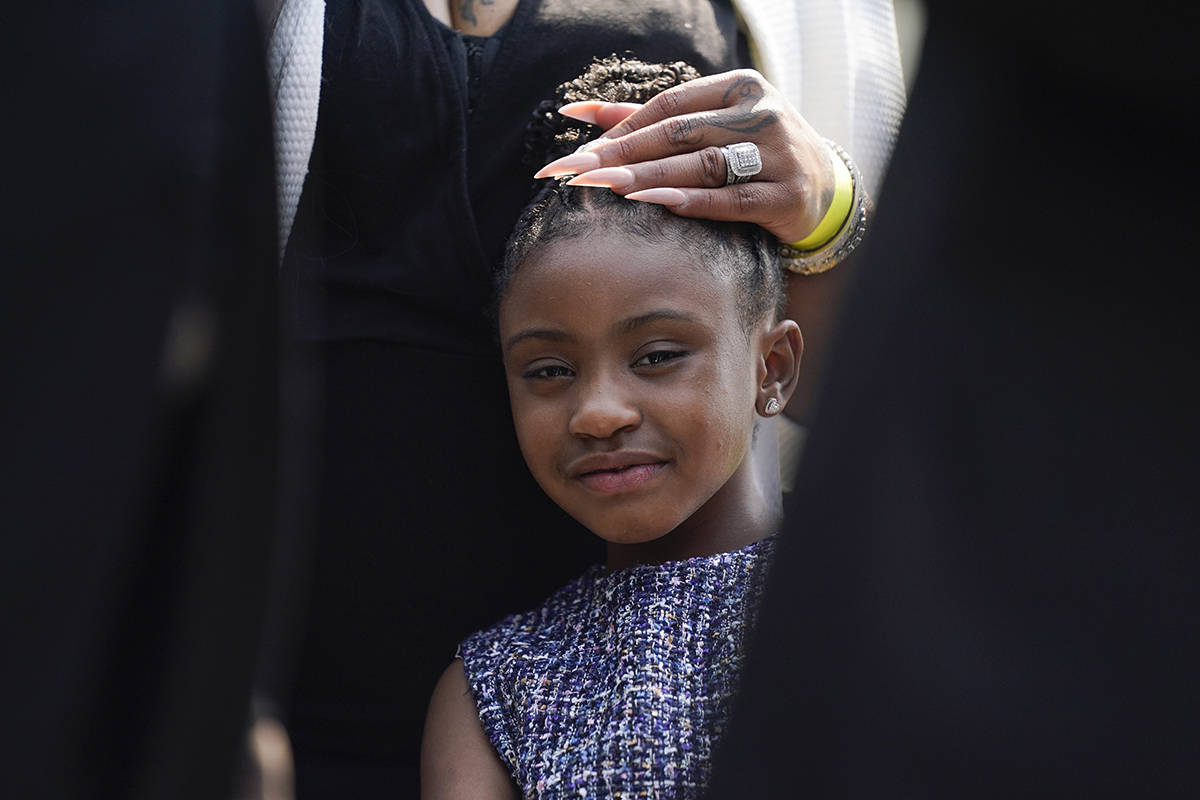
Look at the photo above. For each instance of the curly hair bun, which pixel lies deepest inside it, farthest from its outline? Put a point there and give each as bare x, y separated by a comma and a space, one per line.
615, 79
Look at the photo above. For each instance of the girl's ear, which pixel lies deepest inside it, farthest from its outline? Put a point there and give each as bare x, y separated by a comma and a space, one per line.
782, 345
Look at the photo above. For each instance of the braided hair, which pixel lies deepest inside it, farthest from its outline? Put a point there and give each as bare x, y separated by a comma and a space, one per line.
741, 251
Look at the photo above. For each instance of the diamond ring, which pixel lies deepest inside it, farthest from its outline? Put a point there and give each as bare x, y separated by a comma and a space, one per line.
742, 162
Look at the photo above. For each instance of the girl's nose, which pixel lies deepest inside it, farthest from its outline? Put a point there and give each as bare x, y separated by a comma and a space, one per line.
603, 411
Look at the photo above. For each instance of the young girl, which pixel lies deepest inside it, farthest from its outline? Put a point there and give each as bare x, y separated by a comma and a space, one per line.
640, 349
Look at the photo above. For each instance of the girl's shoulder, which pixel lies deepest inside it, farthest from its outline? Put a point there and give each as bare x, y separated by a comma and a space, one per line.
535, 627
554, 686
500, 662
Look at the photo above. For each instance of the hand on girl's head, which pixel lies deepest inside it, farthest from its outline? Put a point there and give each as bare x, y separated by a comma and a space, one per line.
667, 151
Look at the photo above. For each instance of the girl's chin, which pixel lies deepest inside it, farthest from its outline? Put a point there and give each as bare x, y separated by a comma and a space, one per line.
629, 539
630, 536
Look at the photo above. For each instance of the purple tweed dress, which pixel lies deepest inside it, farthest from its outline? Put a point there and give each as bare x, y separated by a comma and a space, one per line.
619, 685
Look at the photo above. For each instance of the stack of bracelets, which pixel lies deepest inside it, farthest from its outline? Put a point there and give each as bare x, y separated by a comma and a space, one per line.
842, 228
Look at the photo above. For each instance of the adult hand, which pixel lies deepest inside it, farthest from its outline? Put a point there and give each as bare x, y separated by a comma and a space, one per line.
667, 151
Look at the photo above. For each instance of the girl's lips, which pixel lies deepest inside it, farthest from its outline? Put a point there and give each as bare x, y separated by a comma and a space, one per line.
623, 479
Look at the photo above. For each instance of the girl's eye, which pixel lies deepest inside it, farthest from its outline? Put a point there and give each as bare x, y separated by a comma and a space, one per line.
659, 357
549, 372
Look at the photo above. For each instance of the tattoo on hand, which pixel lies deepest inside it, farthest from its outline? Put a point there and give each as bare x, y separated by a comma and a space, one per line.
684, 130
745, 94
748, 91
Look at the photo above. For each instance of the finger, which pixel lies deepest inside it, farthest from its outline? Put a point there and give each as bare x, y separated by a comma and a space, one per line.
598, 112
756, 201
691, 132
737, 88
683, 134
703, 168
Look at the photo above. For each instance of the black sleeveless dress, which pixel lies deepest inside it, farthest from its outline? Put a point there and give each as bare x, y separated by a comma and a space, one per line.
428, 525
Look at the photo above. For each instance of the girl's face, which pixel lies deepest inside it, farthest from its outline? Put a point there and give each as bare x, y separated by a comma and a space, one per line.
635, 388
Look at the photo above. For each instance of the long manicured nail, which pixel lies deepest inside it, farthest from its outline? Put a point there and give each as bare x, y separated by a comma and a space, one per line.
661, 196
608, 177
589, 110
573, 164
584, 111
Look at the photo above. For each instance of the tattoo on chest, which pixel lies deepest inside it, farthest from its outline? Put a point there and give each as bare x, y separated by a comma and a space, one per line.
466, 9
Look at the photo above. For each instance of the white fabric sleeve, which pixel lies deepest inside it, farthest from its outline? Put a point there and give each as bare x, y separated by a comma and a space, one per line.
838, 62
294, 60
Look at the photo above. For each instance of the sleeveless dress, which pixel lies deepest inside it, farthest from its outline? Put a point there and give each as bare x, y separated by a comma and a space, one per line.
619, 686
427, 523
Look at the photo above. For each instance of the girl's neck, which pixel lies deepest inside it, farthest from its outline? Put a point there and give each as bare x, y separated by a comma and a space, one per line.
667, 548
739, 515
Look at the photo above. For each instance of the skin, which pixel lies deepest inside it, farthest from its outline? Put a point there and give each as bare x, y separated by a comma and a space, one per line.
667, 152
473, 17
671, 145
620, 352
457, 760
649, 364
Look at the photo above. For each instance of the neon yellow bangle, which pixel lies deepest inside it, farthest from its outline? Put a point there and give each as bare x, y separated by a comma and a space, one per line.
839, 210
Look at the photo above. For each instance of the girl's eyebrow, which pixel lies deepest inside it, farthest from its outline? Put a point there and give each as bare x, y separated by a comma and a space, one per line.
624, 326
549, 334
627, 325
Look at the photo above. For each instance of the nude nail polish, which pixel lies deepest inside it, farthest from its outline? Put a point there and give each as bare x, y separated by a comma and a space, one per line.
584, 111
607, 177
661, 195
572, 164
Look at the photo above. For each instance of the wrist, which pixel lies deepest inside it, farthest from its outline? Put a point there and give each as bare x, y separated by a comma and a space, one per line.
840, 206
849, 227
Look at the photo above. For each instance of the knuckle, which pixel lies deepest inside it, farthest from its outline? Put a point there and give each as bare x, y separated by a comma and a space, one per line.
751, 77
769, 118
669, 103
703, 204
679, 130
712, 166
657, 173
748, 198
625, 149
747, 87
622, 128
